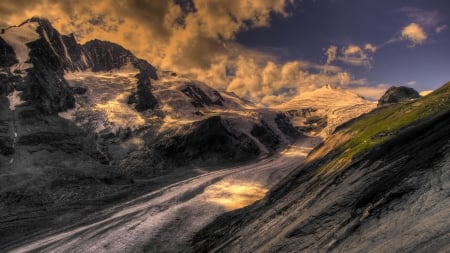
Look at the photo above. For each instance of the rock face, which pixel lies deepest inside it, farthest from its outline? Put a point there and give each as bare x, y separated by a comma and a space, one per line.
7, 55
199, 97
210, 141
391, 197
397, 95
65, 48
45, 85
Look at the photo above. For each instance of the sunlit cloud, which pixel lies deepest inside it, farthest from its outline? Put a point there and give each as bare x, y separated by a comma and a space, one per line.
352, 54
200, 42
414, 33
273, 83
331, 54
370, 48
370, 92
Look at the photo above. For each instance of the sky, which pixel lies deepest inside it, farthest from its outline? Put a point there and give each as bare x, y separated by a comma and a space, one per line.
268, 51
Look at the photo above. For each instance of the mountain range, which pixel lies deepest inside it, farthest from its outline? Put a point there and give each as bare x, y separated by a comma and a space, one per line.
89, 131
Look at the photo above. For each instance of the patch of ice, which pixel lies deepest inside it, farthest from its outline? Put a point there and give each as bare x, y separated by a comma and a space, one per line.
104, 105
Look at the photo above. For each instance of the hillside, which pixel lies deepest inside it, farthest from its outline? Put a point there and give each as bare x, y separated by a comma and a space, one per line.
379, 183
326, 108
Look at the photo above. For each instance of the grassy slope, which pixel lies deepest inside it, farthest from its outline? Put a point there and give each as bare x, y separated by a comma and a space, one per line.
379, 126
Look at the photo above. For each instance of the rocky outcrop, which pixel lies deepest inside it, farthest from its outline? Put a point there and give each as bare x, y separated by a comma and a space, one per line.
208, 141
200, 98
285, 125
45, 85
265, 135
397, 95
143, 97
70, 54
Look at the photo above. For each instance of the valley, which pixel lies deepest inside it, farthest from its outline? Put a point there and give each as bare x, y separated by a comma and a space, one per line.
165, 220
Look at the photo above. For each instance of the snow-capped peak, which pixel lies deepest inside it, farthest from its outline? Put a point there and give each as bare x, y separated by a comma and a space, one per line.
18, 37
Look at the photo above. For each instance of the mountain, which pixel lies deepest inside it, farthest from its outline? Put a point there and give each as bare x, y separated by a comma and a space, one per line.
324, 109
379, 183
88, 122
85, 128
398, 94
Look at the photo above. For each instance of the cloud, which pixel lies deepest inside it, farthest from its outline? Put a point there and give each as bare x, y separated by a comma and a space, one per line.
370, 92
331, 54
441, 28
167, 34
370, 48
423, 17
273, 83
352, 54
198, 40
414, 33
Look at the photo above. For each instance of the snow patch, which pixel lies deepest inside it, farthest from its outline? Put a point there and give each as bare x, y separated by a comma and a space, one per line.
14, 99
17, 37
104, 105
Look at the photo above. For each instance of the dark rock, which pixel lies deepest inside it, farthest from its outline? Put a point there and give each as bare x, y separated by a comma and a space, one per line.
143, 96
7, 55
208, 140
47, 87
105, 56
132, 99
68, 51
265, 135
285, 125
397, 95
78, 90
199, 97
303, 113
6, 145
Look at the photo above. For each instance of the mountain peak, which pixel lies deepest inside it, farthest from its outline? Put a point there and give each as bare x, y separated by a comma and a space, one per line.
37, 19
398, 94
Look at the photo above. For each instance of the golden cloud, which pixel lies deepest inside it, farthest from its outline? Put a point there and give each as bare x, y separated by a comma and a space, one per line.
197, 42
414, 33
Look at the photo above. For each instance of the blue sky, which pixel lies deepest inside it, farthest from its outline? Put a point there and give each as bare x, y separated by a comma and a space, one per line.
316, 25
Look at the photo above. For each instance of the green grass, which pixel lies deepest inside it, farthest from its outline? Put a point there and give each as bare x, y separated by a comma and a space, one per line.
381, 125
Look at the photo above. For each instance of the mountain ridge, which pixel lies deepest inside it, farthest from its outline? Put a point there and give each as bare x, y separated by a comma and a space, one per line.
331, 204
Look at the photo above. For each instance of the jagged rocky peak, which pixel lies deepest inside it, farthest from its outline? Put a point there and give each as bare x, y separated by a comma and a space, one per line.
200, 98
65, 47
37, 54
398, 94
